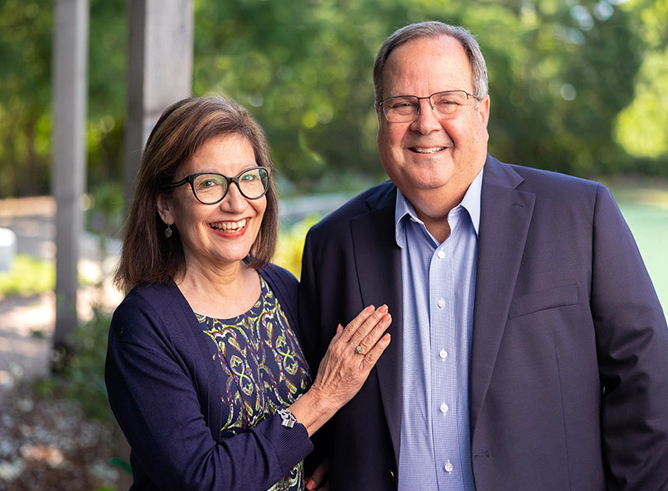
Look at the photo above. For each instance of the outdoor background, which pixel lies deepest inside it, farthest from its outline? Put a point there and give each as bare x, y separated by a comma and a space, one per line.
579, 87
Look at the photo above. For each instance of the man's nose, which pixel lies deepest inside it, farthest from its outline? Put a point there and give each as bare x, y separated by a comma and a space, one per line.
426, 120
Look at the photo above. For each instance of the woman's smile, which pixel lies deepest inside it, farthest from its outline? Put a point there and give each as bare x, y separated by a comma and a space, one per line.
230, 226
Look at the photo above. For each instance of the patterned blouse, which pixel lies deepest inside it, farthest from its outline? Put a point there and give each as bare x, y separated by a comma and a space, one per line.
264, 370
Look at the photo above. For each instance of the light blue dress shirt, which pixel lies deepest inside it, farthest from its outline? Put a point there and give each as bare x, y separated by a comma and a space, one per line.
438, 294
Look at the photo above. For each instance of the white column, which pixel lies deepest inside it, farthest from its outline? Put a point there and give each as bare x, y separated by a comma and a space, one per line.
160, 63
68, 179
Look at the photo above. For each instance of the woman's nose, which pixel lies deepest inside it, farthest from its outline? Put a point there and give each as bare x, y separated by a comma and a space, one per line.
234, 201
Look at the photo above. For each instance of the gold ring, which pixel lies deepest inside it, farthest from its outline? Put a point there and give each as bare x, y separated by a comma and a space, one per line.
360, 351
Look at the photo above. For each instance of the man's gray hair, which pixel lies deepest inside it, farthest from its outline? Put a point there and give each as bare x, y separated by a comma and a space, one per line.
428, 30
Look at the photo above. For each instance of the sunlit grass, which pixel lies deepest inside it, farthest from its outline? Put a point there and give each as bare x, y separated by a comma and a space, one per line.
27, 276
649, 224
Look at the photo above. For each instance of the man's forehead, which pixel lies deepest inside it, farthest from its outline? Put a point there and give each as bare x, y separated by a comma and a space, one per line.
442, 45
437, 62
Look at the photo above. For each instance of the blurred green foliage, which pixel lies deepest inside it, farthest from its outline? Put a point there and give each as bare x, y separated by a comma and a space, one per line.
27, 276
105, 211
25, 91
577, 86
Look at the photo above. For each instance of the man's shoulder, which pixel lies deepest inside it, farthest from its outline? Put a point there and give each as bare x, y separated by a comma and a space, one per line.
543, 183
552, 177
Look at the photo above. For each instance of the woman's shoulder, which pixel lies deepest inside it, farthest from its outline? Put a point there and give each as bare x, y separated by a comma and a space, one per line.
147, 309
278, 276
147, 297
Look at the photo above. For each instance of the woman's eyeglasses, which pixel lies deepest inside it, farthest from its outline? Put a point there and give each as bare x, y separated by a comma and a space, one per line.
210, 188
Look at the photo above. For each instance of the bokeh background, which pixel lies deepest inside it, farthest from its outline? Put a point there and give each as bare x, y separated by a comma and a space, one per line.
577, 86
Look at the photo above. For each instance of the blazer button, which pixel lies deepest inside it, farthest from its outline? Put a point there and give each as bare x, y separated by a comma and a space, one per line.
390, 476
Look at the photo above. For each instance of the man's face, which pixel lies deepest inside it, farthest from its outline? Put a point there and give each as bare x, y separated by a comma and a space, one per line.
432, 157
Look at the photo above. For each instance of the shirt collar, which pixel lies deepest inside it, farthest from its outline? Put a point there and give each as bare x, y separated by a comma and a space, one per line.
470, 202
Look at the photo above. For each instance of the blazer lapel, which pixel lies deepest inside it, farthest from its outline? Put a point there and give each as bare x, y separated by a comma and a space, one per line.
504, 224
378, 261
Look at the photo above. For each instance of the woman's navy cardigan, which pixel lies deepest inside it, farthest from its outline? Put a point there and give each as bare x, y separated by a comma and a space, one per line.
165, 390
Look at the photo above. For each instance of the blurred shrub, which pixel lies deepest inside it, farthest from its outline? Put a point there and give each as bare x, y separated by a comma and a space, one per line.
106, 212
79, 374
28, 276
291, 244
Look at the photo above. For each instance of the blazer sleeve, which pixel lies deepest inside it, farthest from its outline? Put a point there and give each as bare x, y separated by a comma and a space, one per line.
314, 340
153, 392
632, 342
310, 309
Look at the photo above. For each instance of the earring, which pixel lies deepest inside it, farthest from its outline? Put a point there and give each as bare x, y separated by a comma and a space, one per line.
168, 232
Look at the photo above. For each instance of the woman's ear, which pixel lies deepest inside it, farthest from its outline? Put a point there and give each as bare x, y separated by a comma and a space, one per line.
164, 209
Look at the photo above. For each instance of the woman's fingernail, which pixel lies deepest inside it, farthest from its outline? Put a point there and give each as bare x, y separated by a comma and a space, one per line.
387, 317
383, 308
370, 308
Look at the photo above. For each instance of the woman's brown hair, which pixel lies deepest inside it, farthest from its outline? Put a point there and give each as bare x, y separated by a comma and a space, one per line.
148, 256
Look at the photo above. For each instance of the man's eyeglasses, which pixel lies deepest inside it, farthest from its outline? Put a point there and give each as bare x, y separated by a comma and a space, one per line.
406, 108
210, 188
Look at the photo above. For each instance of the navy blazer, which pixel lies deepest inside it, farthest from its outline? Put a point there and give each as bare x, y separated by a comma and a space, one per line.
166, 387
569, 364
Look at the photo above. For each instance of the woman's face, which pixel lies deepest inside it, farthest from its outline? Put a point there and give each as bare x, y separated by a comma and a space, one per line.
219, 235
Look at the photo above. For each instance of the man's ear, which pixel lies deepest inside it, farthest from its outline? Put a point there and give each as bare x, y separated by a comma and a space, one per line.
483, 110
163, 205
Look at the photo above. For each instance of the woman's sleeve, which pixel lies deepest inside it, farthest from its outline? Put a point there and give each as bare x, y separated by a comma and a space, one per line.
155, 400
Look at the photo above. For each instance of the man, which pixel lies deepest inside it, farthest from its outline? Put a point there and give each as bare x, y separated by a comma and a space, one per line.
529, 348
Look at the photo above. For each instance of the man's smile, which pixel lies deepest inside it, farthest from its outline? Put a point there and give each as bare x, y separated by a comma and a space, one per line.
426, 150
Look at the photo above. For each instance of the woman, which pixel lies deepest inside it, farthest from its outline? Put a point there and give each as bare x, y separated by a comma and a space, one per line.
204, 369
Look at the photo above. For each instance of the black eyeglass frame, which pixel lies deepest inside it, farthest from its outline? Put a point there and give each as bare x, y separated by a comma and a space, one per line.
382, 106
191, 179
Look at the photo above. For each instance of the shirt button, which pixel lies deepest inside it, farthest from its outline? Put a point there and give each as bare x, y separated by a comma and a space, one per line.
448, 467
443, 354
441, 254
440, 303
444, 408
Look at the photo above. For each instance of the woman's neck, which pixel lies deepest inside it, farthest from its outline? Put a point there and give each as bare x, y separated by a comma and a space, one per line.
220, 293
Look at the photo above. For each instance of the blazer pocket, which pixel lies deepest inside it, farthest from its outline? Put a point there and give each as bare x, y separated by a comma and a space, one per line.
560, 296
